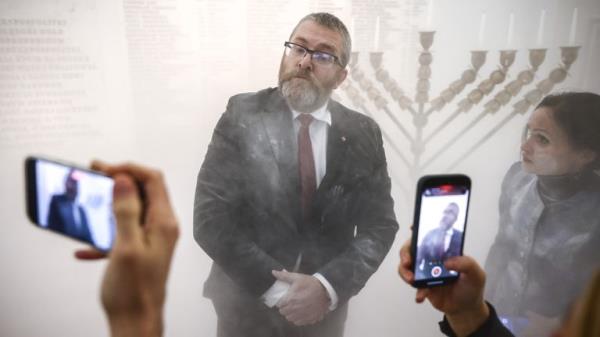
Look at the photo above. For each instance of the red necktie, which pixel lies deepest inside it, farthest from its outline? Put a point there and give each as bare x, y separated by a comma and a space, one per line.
306, 164
441, 245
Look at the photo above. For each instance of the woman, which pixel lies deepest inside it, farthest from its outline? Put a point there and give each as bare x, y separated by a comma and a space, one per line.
548, 241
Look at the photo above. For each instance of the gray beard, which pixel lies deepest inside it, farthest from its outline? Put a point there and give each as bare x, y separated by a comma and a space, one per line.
302, 95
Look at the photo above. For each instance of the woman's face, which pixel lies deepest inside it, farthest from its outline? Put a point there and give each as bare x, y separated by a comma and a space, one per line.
546, 149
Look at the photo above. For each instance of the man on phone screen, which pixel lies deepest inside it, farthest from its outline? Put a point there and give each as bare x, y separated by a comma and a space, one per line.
439, 244
65, 214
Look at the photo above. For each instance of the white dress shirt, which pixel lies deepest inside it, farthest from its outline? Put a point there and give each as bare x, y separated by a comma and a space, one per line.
447, 238
318, 130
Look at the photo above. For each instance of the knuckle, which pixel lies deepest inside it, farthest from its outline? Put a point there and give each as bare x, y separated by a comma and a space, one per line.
126, 254
125, 213
170, 229
156, 174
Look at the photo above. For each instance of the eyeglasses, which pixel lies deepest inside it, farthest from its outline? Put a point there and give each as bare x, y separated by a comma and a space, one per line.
318, 57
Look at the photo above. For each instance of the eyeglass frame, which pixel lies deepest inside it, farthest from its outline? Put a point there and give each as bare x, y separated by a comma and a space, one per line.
336, 60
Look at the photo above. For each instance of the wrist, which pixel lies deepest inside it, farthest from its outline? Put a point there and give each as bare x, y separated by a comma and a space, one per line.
146, 325
467, 321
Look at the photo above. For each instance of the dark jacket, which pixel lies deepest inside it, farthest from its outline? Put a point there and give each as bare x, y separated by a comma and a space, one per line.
492, 327
62, 219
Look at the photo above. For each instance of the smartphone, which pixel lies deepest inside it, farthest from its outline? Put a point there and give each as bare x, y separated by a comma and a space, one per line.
70, 200
441, 210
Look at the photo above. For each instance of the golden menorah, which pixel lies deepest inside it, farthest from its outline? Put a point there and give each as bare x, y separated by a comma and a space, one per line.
387, 96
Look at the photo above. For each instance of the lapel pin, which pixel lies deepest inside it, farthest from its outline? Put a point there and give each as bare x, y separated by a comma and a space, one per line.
343, 139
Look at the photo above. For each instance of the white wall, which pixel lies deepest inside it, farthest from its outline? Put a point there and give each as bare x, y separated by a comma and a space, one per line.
147, 80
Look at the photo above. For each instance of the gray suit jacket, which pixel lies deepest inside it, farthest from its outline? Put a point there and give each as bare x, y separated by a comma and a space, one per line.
247, 214
543, 255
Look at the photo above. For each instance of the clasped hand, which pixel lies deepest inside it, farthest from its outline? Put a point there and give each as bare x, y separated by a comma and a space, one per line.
306, 301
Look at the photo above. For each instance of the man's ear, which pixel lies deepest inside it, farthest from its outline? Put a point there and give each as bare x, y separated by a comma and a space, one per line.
341, 77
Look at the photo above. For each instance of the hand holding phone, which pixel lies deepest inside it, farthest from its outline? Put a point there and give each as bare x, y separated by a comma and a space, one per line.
133, 287
441, 208
461, 301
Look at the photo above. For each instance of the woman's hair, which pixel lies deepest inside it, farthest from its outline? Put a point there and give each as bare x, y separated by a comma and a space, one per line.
586, 319
578, 114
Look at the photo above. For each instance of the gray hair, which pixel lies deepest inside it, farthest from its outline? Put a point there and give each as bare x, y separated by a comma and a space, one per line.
332, 22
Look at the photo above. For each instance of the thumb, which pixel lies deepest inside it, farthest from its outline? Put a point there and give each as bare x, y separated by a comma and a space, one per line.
421, 295
285, 276
127, 207
462, 264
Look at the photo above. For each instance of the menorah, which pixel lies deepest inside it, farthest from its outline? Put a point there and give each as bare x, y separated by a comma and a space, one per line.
421, 107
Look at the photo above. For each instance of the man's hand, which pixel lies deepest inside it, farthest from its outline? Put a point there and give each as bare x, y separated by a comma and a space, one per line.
461, 301
133, 289
306, 302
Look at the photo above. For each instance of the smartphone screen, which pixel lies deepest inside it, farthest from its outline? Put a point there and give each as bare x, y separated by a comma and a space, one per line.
442, 204
72, 201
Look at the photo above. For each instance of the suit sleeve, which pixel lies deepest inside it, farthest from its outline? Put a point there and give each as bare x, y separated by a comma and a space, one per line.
218, 228
425, 248
375, 221
54, 222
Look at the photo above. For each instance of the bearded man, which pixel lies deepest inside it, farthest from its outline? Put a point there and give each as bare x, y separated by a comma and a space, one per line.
293, 198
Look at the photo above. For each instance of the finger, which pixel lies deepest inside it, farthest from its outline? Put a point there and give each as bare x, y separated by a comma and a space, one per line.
405, 256
285, 276
161, 223
283, 303
405, 265
406, 274
286, 310
299, 318
89, 254
151, 179
301, 322
293, 321
464, 264
421, 295
127, 208
98, 165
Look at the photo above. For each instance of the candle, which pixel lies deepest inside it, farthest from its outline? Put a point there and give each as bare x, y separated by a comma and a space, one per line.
481, 30
352, 30
511, 24
540, 34
377, 34
573, 28
429, 15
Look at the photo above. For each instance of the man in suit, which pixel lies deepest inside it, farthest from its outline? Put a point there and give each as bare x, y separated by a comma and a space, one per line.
293, 198
65, 214
439, 244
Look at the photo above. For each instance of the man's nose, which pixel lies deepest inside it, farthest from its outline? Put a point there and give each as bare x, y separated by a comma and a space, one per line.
305, 62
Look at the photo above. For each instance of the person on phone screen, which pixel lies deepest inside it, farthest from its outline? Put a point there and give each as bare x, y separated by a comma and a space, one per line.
439, 244
549, 231
65, 214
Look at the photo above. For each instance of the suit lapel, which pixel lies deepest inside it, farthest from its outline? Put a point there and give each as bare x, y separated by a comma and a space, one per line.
337, 146
277, 122
278, 126
338, 142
